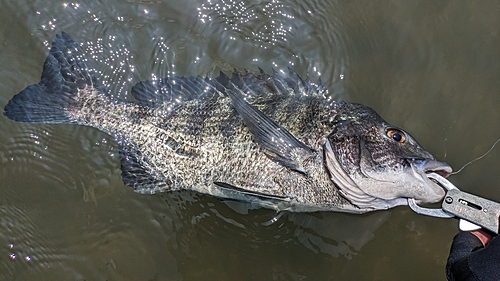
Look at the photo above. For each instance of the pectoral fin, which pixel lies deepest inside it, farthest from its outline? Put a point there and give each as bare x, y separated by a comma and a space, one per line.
283, 146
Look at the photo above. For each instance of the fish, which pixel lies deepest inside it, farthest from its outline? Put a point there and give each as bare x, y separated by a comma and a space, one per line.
274, 140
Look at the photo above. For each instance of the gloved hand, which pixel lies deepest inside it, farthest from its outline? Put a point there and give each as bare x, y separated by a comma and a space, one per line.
470, 259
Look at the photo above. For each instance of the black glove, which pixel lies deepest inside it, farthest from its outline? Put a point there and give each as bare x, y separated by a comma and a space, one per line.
469, 260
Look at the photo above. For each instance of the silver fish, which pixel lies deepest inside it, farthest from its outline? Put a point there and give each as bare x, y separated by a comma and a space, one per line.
275, 140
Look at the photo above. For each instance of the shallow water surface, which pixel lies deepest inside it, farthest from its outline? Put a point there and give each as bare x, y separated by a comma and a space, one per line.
431, 67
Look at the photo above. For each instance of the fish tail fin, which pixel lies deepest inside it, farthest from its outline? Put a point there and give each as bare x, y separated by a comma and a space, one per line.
65, 80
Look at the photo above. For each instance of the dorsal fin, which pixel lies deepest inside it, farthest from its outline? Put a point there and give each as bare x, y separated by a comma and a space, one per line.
177, 89
172, 90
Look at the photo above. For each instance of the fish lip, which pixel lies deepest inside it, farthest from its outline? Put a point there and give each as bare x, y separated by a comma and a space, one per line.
426, 167
440, 168
431, 166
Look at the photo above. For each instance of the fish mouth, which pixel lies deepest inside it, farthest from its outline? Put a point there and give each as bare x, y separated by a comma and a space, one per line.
440, 168
437, 191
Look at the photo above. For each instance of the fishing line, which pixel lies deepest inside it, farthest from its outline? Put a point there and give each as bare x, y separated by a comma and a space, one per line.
478, 158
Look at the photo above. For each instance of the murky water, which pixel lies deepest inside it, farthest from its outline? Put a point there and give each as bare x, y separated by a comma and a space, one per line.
432, 67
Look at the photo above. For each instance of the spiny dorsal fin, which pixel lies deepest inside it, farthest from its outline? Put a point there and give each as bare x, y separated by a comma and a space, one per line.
177, 89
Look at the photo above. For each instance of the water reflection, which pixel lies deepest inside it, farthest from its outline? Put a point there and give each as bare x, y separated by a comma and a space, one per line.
335, 234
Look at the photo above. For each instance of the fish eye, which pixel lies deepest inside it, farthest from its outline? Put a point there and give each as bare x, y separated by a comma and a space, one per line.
396, 135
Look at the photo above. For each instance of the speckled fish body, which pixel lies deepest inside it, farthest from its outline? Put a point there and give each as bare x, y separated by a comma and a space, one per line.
275, 140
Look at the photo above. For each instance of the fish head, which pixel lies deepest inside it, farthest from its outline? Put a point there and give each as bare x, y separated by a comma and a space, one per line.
378, 166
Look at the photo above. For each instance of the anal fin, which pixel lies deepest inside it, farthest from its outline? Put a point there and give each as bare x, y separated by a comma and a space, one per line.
136, 176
